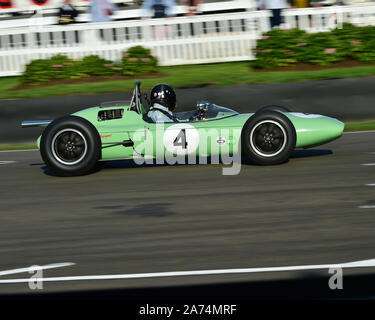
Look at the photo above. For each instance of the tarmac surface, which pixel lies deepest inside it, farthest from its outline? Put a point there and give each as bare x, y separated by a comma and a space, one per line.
316, 209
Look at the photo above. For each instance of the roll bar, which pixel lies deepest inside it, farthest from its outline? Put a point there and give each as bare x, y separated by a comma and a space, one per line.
136, 98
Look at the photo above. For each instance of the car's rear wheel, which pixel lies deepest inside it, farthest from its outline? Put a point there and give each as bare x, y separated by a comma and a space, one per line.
268, 138
273, 108
70, 146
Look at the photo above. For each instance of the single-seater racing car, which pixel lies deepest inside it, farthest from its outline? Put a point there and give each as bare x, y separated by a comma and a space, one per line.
74, 144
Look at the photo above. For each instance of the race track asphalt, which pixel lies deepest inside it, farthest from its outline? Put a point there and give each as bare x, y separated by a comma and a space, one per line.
126, 219
345, 99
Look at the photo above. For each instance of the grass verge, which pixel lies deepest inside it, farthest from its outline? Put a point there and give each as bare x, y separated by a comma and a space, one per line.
222, 74
349, 127
16, 147
359, 126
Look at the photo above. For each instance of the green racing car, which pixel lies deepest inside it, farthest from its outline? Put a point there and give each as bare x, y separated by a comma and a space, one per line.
74, 144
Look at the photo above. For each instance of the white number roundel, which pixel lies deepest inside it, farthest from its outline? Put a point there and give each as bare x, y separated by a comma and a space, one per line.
181, 139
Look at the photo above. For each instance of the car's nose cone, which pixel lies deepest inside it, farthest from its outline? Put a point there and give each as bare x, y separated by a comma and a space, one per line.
314, 131
333, 129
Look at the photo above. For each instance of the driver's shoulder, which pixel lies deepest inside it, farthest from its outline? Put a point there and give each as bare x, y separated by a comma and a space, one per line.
157, 107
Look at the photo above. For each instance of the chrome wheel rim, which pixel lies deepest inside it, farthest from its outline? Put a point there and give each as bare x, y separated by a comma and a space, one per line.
69, 146
268, 138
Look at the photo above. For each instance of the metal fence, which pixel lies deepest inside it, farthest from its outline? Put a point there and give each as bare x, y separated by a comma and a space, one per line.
180, 40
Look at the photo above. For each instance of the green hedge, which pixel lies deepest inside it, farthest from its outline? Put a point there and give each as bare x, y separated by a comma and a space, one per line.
279, 48
136, 61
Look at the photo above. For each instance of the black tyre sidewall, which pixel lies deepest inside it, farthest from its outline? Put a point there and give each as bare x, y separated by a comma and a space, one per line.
93, 140
285, 154
273, 108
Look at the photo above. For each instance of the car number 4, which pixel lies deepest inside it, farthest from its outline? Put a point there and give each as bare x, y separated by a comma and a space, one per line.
180, 140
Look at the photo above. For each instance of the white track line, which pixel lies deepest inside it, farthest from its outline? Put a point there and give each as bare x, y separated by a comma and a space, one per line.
6, 162
368, 164
356, 264
34, 268
367, 207
370, 185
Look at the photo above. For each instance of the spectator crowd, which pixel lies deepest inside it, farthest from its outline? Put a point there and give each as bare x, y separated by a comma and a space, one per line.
103, 10
276, 6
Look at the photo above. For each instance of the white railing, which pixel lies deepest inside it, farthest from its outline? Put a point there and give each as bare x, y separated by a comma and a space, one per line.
328, 18
180, 40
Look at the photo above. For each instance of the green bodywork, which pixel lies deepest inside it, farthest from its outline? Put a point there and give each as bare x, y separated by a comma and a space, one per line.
312, 130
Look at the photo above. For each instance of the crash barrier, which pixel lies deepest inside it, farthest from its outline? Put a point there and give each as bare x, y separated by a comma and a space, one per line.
174, 41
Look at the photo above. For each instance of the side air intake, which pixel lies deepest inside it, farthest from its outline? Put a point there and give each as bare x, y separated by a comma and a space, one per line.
105, 115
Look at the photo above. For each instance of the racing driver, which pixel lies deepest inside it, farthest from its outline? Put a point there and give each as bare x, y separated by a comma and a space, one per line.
163, 102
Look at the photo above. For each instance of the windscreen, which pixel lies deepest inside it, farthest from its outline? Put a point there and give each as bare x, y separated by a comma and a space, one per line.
216, 112
213, 112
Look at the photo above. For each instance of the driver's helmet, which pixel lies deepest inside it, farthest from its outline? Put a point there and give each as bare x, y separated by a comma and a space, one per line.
163, 94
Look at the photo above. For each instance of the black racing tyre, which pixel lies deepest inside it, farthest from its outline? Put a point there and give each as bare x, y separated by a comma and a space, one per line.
268, 138
273, 107
70, 146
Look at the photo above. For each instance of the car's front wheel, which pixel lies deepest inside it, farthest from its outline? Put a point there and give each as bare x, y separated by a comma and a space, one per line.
268, 138
70, 146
